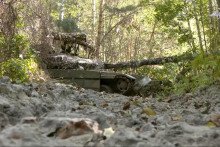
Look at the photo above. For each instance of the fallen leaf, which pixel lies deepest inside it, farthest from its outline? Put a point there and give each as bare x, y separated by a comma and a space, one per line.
74, 129
216, 120
122, 112
86, 103
137, 129
126, 105
112, 122
29, 120
210, 124
16, 137
150, 96
145, 119
81, 108
136, 104
147, 110
168, 100
105, 105
73, 109
176, 118
129, 112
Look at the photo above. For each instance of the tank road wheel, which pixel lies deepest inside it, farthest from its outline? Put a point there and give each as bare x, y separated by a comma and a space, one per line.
106, 88
123, 85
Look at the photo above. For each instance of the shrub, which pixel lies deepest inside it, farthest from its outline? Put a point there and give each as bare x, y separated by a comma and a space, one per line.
19, 69
203, 71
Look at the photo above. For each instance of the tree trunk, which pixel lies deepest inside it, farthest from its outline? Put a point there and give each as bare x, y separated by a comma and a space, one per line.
218, 2
94, 19
202, 21
212, 28
151, 37
104, 50
61, 15
98, 40
198, 27
191, 43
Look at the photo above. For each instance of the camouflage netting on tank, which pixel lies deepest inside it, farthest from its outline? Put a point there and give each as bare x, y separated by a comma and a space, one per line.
73, 62
77, 38
63, 61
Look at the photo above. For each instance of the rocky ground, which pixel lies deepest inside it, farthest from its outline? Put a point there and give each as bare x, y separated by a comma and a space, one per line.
52, 114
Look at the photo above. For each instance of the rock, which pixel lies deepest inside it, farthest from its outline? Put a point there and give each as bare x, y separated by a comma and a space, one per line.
34, 94
164, 119
147, 127
4, 122
5, 79
54, 114
123, 137
67, 127
6, 89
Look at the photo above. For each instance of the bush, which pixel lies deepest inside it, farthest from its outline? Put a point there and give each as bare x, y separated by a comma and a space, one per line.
203, 71
12, 47
18, 69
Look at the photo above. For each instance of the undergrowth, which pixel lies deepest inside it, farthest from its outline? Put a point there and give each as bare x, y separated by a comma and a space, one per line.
200, 72
20, 64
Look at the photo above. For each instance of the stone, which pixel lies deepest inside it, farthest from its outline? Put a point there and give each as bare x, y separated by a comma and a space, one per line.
5, 79
4, 121
54, 114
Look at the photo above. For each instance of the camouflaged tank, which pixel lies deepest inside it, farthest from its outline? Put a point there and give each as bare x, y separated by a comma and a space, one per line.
81, 73
97, 80
89, 74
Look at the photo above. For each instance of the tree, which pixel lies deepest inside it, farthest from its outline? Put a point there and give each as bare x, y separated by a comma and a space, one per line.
98, 40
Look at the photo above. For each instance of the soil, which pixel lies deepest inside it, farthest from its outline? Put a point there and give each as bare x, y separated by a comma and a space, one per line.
54, 114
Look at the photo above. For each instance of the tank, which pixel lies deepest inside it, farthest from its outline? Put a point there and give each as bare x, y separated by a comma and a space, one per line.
88, 73
68, 67
110, 82
97, 80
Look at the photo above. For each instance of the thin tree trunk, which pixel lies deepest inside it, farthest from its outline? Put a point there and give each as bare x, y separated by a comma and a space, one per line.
202, 21
98, 40
198, 27
120, 47
136, 47
218, 2
94, 19
151, 37
61, 16
191, 43
104, 55
211, 26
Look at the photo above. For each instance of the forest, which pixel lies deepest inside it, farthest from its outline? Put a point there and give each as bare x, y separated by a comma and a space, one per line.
116, 31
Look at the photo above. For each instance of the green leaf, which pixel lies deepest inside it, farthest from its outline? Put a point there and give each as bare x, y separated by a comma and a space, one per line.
147, 110
210, 124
